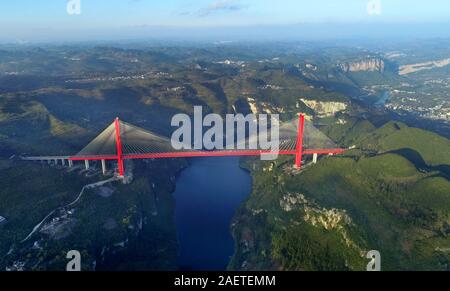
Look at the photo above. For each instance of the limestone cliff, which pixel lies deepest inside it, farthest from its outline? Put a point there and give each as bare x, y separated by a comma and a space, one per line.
367, 65
324, 109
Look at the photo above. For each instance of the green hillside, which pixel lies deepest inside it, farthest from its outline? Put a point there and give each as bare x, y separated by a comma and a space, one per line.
329, 216
416, 144
434, 149
108, 225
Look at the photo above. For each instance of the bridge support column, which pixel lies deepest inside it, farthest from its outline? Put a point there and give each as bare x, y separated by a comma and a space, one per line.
315, 156
104, 167
119, 149
70, 163
299, 154
63, 162
121, 168
86, 164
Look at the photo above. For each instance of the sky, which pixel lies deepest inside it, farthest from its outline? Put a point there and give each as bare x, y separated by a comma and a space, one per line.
51, 19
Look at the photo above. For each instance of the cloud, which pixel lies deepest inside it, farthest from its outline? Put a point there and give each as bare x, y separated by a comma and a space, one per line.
221, 5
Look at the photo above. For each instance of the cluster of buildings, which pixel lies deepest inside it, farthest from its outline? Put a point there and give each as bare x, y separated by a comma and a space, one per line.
124, 77
231, 63
428, 102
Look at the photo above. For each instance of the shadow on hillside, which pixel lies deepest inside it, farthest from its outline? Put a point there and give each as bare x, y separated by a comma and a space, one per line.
416, 159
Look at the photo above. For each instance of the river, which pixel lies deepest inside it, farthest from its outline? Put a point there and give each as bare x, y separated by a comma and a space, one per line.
207, 195
383, 98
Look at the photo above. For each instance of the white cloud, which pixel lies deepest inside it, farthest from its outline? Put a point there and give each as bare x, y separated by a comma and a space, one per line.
221, 5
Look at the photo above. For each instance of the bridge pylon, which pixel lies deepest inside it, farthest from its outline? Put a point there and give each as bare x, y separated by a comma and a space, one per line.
119, 148
299, 146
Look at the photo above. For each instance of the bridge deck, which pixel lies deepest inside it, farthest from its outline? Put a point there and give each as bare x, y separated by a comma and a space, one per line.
193, 154
46, 158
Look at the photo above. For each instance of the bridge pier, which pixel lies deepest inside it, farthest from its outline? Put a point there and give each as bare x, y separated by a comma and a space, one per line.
299, 148
70, 163
86, 164
104, 167
315, 156
63, 162
119, 148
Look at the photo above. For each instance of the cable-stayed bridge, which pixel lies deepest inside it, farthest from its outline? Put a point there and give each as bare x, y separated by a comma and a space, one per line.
122, 141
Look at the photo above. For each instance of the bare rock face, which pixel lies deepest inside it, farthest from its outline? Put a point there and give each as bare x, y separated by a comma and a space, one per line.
368, 65
325, 109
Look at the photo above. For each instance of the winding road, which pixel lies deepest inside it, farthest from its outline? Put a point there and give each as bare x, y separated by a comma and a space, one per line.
85, 187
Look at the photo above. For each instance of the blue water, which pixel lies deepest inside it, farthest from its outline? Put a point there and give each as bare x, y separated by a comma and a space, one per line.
383, 98
207, 195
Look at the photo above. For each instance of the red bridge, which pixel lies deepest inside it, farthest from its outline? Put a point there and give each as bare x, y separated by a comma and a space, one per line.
122, 141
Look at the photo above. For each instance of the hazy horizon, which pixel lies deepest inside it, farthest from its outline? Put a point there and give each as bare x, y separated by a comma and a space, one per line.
298, 32
220, 20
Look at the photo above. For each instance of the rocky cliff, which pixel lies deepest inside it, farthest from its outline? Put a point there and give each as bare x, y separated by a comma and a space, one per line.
325, 109
367, 65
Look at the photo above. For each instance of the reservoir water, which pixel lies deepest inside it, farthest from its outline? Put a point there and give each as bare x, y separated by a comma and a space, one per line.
383, 98
207, 195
